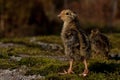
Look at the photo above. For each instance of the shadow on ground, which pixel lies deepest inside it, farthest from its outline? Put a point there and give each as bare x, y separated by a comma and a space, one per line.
104, 67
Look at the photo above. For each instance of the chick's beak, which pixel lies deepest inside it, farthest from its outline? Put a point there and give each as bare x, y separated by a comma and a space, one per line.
58, 16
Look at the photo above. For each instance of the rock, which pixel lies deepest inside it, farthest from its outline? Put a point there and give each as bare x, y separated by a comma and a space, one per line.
14, 58
33, 39
16, 75
49, 46
6, 45
114, 56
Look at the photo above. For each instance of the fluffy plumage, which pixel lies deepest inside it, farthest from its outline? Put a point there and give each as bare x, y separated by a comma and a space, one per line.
99, 42
75, 40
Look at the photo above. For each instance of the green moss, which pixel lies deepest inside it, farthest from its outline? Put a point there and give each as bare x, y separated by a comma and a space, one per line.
26, 40
100, 67
43, 66
50, 39
115, 40
4, 55
63, 77
5, 64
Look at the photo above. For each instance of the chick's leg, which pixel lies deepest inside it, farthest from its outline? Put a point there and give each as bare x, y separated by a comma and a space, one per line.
86, 67
69, 71
70, 67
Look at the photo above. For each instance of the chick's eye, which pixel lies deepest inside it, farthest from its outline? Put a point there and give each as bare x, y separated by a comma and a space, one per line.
67, 13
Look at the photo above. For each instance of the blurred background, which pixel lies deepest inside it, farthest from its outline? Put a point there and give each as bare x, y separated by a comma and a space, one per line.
39, 17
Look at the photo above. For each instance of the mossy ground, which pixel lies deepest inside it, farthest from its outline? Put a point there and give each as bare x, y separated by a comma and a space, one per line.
100, 68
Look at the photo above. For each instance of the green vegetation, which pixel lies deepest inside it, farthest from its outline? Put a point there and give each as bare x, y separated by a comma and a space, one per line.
37, 61
115, 40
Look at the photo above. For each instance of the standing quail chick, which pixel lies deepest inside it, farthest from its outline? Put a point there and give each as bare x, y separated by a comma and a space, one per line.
76, 42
